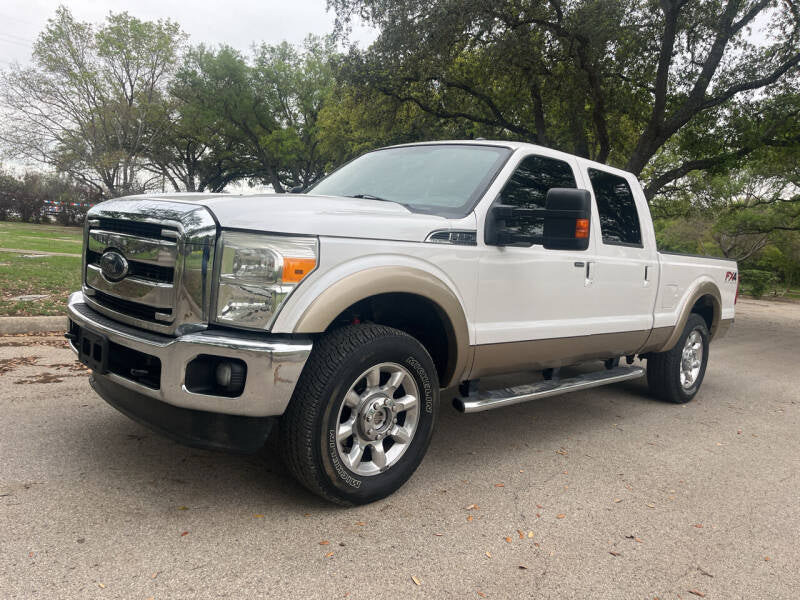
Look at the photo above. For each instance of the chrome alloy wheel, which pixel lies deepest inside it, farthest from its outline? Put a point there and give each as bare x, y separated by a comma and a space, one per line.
377, 419
691, 359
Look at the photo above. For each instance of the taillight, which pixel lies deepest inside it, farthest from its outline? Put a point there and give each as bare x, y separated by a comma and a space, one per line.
736, 297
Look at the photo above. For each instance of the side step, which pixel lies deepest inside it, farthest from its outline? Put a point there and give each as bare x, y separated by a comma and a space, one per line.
481, 401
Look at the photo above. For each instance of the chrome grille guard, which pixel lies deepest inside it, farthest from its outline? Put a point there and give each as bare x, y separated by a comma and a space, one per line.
167, 249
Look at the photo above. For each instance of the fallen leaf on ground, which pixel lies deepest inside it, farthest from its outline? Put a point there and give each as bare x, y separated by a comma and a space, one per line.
696, 593
489, 555
508, 540
258, 516
637, 540
481, 594
560, 516
523, 567
185, 533
416, 580
561, 452
183, 508
650, 505
101, 585
530, 534
360, 523
472, 507
539, 506
521, 535
329, 554
499, 485
154, 575
766, 558
614, 553
699, 525
324, 543
469, 518
306, 514
617, 500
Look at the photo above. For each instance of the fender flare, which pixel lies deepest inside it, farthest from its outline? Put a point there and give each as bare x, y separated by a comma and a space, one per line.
703, 288
395, 279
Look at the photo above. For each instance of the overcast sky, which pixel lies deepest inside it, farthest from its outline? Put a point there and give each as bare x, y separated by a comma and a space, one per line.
238, 23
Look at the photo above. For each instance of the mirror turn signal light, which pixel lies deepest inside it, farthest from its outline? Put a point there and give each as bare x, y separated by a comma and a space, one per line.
294, 269
581, 228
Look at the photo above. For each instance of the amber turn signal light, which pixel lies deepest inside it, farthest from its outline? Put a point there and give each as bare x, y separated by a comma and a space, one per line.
294, 269
581, 228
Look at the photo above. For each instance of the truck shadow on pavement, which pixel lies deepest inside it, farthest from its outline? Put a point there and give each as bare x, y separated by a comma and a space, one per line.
139, 462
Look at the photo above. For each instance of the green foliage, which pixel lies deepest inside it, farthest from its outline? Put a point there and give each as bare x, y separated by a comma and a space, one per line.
757, 281
93, 98
267, 106
626, 82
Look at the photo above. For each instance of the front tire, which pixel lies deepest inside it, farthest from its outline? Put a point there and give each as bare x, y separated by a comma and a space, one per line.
362, 414
677, 374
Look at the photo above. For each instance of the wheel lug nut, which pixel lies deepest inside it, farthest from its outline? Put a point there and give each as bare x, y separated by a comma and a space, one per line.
394, 421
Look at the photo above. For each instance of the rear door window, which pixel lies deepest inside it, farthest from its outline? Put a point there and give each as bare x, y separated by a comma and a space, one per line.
619, 220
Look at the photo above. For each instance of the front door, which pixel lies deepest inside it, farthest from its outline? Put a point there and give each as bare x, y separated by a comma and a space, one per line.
529, 293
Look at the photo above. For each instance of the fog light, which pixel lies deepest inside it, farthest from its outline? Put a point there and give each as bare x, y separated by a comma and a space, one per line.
216, 376
230, 376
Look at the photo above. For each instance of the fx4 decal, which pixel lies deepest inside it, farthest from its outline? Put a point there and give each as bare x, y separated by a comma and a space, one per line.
731, 276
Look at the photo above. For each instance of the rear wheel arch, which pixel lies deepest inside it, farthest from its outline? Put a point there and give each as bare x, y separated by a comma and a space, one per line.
705, 300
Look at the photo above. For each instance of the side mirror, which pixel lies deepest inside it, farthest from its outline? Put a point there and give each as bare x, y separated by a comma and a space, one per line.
298, 189
567, 218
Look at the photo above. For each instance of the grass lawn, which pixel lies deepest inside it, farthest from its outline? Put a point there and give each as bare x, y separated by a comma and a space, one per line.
50, 238
55, 276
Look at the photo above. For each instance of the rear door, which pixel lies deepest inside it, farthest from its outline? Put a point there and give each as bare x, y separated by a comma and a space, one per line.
623, 274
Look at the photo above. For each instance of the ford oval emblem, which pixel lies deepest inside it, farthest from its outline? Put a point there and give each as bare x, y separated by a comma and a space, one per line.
113, 265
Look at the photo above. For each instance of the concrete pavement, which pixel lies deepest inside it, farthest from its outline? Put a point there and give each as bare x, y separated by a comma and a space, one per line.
626, 497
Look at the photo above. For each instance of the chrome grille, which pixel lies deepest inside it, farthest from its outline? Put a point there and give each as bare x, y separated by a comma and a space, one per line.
168, 249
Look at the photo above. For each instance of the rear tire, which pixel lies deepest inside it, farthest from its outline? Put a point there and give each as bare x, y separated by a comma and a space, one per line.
677, 374
362, 415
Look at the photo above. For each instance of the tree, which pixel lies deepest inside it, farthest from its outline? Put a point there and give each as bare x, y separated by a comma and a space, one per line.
267, 106
92, 99
616, 81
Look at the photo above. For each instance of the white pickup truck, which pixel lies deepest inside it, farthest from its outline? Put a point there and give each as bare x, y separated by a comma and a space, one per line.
340, 315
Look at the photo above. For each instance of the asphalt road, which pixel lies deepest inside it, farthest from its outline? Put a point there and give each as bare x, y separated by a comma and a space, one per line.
626, 497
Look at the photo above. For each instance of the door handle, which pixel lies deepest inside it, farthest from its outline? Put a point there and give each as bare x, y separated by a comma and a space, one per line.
646, 275
589, 274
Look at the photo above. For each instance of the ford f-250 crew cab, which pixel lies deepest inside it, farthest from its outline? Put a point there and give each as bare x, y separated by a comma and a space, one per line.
340, 315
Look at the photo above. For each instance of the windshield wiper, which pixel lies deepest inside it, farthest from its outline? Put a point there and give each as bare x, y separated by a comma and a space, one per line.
369, 197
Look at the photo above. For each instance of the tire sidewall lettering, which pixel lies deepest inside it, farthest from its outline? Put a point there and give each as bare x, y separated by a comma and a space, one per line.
424, 379
342, 471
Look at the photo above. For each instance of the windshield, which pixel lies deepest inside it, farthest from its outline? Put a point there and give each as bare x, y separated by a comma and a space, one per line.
442, 179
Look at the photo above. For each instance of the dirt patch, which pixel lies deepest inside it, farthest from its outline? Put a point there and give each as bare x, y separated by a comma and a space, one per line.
47, 378
10, 364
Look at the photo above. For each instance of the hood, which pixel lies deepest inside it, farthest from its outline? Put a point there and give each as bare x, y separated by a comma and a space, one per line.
317, 215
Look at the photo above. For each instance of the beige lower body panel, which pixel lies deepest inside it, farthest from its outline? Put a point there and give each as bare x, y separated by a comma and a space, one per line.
495, 359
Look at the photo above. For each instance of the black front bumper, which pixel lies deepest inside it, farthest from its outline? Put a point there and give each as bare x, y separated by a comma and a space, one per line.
197, 428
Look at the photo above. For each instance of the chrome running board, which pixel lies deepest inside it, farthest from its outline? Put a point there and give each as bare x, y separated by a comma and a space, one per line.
488, 400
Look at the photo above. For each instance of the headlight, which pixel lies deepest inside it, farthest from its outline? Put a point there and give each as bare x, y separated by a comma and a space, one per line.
257, 273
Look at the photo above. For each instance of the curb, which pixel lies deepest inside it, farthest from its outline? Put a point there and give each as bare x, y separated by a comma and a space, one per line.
15, 325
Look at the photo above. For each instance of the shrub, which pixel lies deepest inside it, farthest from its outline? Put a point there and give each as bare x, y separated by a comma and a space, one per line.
758, 281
